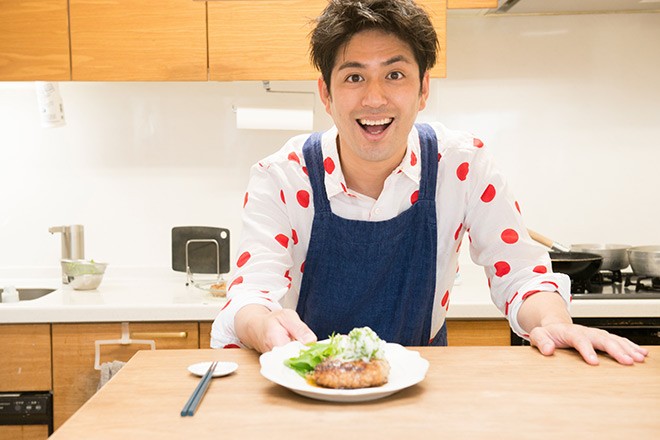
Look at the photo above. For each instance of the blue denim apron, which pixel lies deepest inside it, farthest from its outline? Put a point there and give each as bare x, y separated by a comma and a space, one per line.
377, 274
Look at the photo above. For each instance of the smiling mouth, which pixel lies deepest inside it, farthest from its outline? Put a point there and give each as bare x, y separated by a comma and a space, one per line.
375, 126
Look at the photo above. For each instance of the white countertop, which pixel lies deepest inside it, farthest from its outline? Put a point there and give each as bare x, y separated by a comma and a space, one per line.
161, 295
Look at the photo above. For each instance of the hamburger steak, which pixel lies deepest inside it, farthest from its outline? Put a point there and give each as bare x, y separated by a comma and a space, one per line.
338, 373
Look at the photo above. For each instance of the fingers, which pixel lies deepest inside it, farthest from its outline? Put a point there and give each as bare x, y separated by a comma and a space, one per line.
586, 341
296, 329
540, 339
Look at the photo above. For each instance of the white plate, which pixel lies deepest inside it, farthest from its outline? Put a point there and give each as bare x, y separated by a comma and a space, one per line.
407, 368
222, 369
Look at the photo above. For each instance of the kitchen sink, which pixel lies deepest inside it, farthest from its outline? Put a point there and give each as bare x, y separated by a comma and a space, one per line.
27, 294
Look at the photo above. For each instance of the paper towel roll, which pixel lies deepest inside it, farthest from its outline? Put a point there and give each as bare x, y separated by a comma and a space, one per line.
51, 109
274, 119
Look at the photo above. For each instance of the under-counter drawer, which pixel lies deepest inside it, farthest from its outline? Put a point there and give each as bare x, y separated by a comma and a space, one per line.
26, 361
74, 378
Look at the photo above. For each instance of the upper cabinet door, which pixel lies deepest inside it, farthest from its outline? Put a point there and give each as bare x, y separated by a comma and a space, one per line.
138, 40
269, 40
34, 40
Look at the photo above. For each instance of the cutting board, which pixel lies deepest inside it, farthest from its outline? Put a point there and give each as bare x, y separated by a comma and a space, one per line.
202, 255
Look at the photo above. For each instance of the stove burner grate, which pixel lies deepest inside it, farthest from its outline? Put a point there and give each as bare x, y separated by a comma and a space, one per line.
643, 283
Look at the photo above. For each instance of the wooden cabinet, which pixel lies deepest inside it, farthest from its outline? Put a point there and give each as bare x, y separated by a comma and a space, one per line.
34, 40
138, 40
25, 364
464, 332
269, 40
74, 378
205, 334
169, 40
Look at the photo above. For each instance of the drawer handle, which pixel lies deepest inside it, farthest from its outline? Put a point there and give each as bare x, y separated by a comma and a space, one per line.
159, 335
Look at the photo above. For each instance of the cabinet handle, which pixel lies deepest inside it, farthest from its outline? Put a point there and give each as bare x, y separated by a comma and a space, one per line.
159, 335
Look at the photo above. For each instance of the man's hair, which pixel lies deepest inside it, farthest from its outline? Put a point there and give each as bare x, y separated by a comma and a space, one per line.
342, 19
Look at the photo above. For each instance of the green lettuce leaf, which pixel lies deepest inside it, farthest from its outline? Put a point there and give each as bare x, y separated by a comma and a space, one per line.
308, 359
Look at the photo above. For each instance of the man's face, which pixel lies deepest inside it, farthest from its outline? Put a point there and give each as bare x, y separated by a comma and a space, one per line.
374, 97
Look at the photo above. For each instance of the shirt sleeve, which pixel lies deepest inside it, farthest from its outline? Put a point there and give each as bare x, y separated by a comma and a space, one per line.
516, 266
261, 273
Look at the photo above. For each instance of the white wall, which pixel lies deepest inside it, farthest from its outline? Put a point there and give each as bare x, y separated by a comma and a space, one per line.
570, 105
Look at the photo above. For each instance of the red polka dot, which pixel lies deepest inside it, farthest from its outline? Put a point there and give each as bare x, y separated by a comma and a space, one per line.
329, 165
294, 236
462, 171
288, 276
236, 282
528, 294
445, 298
414, 197
302, 267
502, 268
282, 196
226, 305
231, 346
439, 157
245, 199
517, 206
303, 198
551, 283
509, 236
458, 231
477, 143
540, 269
305, 171
294, 157
343, 187
489, 194
413, 159
282, 239
245, 256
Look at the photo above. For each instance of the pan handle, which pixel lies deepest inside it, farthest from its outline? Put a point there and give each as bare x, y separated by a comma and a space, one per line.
553, 245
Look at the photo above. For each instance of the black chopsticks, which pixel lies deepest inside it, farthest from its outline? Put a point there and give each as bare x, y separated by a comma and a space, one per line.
191, 405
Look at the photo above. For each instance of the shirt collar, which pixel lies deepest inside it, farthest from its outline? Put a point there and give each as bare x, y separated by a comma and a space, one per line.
335, 183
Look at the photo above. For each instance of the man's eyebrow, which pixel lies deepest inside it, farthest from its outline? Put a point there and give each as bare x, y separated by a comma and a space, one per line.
358, 65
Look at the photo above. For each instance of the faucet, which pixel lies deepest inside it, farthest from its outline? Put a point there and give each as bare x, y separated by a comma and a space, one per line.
73, 243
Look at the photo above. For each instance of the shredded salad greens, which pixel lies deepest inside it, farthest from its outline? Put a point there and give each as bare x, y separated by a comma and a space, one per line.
360, 344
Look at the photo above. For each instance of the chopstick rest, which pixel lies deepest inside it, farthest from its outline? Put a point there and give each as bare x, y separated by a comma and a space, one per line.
196, 397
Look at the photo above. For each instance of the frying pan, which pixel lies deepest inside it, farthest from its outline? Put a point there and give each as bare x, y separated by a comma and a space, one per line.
579, 266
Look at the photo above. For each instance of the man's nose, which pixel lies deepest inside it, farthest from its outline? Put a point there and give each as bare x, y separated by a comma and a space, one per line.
375, 95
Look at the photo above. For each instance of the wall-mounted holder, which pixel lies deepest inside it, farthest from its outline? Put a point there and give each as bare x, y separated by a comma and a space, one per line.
124, 340
278, 118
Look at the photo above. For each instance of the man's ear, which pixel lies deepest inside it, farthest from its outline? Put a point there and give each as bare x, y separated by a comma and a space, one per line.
424, 91
324, 94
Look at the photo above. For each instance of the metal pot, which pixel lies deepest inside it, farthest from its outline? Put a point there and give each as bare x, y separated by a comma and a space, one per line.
645, 260
615, 256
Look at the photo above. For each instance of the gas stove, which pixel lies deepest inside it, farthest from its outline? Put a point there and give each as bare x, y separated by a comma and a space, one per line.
616, 285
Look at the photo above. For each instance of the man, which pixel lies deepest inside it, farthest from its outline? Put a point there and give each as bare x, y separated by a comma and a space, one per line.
362, 225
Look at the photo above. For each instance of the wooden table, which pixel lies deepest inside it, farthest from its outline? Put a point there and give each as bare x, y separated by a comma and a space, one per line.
469, 392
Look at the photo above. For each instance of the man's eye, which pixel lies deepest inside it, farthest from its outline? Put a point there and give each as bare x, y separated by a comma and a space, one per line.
354, 78
395, 75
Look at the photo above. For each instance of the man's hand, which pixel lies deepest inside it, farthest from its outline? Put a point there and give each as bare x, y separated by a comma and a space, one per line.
545, 317
261, 329
586, 341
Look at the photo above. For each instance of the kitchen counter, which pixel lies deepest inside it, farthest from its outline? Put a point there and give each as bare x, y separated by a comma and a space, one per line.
161, 295
468, 392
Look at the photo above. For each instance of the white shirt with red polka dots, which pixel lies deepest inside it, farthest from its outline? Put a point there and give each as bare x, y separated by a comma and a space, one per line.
471, 196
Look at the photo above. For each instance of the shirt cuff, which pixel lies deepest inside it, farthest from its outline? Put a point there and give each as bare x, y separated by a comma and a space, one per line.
223, 331
555, 282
